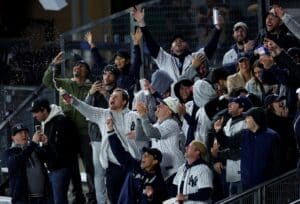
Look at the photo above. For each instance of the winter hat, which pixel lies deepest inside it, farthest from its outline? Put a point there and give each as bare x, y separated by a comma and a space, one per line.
161, 81
172, 103
17, 128
259, 116
240, 25
111, 68
203, 92
185, 82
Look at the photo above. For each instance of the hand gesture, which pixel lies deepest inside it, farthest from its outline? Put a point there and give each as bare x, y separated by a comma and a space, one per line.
131, 135
218, 124
198, 60
214, 150
137, 36
148, 191
218, 167
89, 38
97, 86
278, 10
58, 59
141, 109
138, 14
181, 109
272, 47
36, 137
109, 124
221, 22
44, 139
249, 45
180, 198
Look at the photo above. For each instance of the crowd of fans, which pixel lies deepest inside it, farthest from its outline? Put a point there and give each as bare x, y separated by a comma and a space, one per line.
193, 134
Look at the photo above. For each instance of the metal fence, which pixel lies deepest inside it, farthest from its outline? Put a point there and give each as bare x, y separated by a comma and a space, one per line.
281, 190
165, 18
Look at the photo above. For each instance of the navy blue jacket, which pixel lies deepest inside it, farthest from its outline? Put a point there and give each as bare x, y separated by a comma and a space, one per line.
137, 179
260, 153
16, 160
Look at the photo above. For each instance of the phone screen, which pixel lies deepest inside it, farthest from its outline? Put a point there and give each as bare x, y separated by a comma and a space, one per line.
38, 128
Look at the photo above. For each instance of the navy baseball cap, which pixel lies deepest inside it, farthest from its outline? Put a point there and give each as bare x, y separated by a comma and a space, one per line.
17, 128
273, 98
242, 56
242, 101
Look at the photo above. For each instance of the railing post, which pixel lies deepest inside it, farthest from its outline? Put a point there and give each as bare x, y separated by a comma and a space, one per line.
263, 195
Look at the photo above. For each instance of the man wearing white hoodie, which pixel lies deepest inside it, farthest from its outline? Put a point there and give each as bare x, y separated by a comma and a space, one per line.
60, 153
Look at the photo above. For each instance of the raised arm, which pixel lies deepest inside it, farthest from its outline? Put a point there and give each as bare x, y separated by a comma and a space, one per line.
212, 44
288, 20
134, 71
139, 14
50, 72
149, 130
99, 60
123, 157
94, 114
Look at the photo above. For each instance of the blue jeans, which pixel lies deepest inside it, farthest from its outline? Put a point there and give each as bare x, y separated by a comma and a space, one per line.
235, 188
59, 181
99, 174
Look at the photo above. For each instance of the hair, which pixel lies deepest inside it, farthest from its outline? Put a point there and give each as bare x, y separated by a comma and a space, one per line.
257, 81
48, 109
125, 95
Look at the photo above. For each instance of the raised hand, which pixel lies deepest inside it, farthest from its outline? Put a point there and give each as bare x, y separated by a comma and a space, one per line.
137, 36
89, 38
272, 47
138, 14
58, 59
198, 60
141, 109
221, 22
218, 124
249, 45
278, 11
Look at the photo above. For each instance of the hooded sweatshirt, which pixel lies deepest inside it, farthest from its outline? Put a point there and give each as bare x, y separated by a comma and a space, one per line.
60, 135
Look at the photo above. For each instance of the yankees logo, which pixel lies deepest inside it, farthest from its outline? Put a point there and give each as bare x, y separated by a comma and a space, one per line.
193, 181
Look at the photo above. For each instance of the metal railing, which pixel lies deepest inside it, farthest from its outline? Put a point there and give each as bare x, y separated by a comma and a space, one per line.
21, 113
280, 190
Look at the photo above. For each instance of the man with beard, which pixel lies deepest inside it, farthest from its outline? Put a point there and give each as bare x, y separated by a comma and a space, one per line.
98, 96
78, 86
276, 31
179, 61
242, 44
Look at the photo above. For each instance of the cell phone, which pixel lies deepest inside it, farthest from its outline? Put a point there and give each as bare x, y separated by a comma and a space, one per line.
38, 128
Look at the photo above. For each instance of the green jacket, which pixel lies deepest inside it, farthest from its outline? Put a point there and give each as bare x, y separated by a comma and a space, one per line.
79, 91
